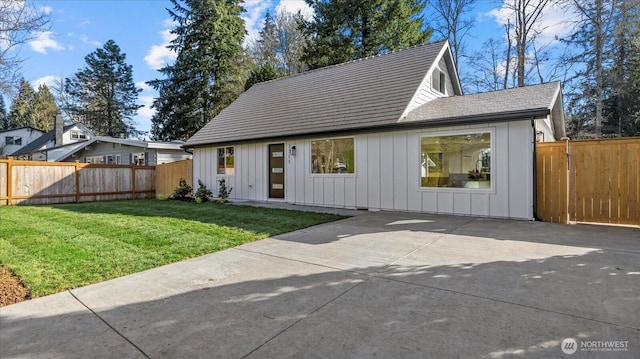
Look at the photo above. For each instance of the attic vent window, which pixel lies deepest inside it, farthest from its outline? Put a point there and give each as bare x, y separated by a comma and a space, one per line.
438, 81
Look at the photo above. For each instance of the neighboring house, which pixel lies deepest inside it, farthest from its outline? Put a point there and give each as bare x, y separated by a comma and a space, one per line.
390, 132
51, 145
16, 138
118, 151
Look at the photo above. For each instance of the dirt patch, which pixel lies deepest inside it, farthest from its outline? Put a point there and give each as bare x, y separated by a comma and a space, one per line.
11, 288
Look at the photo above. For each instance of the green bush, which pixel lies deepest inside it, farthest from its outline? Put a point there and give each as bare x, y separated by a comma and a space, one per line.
223, 191
203, 193
182, 191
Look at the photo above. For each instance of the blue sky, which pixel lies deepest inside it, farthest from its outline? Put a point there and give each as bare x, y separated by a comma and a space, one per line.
141, 29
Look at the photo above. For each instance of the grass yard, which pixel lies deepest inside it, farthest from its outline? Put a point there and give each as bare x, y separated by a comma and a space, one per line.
58, 247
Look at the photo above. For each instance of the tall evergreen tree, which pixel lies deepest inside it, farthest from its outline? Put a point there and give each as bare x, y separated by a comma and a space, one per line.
344, 30
21, 113
206, 76
103, 94
621, 108
593, 37
280, 46
44, 109
4, 117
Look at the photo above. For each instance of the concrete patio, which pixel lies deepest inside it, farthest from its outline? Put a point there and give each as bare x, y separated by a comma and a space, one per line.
388, 285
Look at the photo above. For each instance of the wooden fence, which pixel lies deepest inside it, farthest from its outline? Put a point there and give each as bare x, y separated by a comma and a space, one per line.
35, 182
168, 176
589, 181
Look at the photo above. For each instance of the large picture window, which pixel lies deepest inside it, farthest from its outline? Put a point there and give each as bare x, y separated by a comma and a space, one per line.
332, 156
458, 161
226, 161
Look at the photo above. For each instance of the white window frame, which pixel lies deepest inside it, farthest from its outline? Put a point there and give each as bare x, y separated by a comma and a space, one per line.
78, 135
225, 161
441, 81
355, 170
471, 131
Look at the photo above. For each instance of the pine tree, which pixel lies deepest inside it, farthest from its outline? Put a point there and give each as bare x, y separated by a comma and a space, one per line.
4, 117
621, 105
103, 94
206, 76
260, 74
21, 113
344, 30
280, 45
44, 109
592, 42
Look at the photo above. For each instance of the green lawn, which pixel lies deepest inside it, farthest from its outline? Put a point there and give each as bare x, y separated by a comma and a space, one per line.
58, 247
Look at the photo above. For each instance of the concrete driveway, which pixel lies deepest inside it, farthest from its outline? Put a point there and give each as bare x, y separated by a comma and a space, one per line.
387, 285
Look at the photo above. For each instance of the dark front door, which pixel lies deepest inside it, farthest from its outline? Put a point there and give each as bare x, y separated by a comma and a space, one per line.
276, 171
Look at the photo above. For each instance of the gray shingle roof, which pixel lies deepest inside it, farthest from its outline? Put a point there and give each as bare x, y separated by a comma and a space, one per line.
360, 94
524, 101
40, 141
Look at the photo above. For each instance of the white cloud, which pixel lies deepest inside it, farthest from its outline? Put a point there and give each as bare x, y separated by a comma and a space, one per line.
43, 41
49, 80
146, 112
84, 38
46, 10
253, 18
293, 6
143, 85
159, 55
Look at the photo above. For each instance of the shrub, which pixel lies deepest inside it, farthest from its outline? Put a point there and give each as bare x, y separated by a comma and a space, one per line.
223, 191
182, 191
203, 193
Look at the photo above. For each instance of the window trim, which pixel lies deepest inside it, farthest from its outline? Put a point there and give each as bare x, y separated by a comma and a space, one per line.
441, 81
492, 132
80, 135
225, 160
13, 141
326, 175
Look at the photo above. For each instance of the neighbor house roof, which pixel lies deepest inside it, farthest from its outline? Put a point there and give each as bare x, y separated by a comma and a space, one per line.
517, 103
175, 145
37, 144
21, 128
364, 93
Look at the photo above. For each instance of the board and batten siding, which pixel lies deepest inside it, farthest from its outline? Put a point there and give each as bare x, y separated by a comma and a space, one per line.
387, 174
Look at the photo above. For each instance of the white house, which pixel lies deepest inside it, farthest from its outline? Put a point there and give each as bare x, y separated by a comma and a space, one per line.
390, 132
14, 139
51, 145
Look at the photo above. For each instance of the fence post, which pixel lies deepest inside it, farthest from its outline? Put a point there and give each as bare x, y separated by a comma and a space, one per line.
77, 181
133, 182
9, 181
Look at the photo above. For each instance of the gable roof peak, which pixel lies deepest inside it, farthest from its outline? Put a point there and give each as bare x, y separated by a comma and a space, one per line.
329, 67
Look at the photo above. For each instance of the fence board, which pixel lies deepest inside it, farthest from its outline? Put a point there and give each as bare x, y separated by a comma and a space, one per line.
552, 197
34, 182
167, 176
603, 181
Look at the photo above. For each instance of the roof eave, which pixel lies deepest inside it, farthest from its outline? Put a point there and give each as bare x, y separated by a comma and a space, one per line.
530, 114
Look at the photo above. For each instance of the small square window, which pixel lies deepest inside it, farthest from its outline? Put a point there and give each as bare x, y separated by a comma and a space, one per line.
12, 140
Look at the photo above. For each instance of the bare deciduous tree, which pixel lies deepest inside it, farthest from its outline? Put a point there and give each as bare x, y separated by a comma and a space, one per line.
452, 24
526, 14
20, 21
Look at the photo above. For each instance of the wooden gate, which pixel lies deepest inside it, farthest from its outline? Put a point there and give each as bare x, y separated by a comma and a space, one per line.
589, 181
